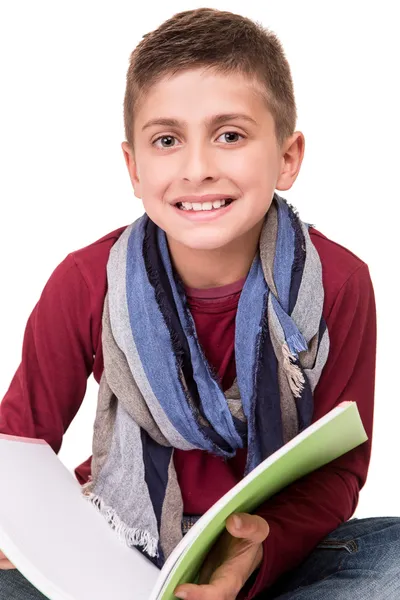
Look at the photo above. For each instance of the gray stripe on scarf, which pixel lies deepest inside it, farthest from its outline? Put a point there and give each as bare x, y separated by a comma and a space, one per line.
268, 239
103, 429
234, 401
134, 521
171, 514
290, 421
314, 374
310, 299
307, 358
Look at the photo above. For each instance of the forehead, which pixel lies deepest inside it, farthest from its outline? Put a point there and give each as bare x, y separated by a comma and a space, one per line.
195, 94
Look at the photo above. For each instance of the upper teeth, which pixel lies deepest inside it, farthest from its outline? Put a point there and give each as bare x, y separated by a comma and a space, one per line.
202, 205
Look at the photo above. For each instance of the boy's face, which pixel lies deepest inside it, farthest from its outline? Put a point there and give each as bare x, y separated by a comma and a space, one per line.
200, 137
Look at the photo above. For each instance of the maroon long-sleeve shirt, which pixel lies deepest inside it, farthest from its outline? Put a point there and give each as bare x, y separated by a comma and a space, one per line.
62, 347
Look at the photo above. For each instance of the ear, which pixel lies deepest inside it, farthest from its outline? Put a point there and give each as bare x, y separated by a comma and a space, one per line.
132, 168
292, 157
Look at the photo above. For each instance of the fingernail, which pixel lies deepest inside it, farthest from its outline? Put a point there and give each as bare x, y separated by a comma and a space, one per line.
238, 521
182, 595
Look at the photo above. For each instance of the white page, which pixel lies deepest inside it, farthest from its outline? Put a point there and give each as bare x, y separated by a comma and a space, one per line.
56, 538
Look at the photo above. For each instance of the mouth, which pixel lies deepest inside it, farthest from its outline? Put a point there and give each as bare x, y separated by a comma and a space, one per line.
209, 205
206, 211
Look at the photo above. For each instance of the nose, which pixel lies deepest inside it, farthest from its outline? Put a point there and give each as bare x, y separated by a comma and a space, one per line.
198, 164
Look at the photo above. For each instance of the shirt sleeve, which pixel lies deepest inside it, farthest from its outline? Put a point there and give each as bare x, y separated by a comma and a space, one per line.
306, 511
57, 358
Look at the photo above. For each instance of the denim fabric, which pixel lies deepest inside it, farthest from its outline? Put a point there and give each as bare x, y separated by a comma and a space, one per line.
360, 560
13, 586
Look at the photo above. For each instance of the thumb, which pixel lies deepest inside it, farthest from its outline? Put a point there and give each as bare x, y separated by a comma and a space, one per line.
5, 564
252, 527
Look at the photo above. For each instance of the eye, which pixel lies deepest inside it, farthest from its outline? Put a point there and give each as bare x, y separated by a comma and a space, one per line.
231, 136
170, 141
165, 141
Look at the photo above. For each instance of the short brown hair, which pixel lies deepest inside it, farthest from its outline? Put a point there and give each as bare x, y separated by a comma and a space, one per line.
220, 40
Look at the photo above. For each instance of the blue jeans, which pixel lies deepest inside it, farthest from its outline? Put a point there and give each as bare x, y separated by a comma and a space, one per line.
360, 560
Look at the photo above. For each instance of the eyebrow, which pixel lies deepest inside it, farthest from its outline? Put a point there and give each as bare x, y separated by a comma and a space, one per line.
212, 121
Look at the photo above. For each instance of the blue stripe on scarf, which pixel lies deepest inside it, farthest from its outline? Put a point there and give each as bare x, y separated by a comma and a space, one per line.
284, 254
268, 414
158, 278
153, 342
265, 434
156, 459
214, 403
294, 338
322, 329
304, 404
250, 318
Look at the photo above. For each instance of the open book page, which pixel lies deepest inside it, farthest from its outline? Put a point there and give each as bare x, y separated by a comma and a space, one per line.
55, 537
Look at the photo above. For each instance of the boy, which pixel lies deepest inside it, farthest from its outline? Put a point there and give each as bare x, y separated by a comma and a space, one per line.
218, 326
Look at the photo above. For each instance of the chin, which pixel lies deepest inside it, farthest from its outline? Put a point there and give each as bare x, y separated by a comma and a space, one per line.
201, 240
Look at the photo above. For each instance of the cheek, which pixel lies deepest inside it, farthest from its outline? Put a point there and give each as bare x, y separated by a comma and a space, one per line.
154, 180
255, 167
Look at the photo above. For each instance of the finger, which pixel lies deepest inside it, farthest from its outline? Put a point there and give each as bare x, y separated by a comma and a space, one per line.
252, 527
189, 591
206, 571
215, 557
222, 589
6, 565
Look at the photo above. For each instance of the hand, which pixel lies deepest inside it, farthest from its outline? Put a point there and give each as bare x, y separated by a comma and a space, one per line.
237, 553
5, 563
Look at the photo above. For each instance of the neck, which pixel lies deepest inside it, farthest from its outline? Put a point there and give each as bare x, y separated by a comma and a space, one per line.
214, 268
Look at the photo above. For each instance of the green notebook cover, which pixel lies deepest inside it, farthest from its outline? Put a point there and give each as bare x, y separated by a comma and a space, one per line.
336, 433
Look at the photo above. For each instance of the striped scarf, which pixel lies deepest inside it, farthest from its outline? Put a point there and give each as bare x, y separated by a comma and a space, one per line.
158, 391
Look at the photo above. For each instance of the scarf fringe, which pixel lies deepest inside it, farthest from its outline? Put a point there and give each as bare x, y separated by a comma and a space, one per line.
131, 536
294, 374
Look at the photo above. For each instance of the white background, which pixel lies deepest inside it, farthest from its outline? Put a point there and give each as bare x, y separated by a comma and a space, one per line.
64, 184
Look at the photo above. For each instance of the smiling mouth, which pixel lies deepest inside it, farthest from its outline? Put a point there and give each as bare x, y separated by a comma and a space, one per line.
204, 206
